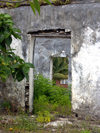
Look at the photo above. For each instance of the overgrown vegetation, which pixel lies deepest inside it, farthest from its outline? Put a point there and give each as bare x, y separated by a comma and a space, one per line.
27, 124
35, 4
10, 63
19, 123
51, 102
56, 2
85, 131
50, 98
5, 106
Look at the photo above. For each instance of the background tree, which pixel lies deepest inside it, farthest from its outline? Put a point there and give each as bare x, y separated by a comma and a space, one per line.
60, 68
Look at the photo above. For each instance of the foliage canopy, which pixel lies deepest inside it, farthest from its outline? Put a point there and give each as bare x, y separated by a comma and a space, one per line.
60, 68
10, 63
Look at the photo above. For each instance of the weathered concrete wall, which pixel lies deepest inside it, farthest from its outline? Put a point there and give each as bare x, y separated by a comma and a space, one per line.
45, 48
13, 92
86, 73
10, 90
84, 22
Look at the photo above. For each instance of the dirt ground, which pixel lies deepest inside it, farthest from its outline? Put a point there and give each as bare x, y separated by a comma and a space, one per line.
27, 124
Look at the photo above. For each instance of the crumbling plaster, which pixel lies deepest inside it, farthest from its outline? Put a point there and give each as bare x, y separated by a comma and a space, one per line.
84, 23
86, 70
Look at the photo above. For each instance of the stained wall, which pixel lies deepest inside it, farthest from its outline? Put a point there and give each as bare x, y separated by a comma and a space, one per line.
84, 23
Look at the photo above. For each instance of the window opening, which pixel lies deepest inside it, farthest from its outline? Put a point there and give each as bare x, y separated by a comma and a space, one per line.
60, 71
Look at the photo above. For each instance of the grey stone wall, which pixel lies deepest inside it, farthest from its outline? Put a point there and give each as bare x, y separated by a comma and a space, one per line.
84, 23
45, 48
13, 92
10, 90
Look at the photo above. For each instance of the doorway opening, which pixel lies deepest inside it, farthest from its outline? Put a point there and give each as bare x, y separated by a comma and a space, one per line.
60, 71
48, 46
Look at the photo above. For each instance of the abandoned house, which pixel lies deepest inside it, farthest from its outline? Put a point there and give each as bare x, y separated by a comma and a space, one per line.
71, 31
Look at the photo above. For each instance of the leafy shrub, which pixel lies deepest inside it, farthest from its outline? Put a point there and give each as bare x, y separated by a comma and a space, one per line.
41, 104
43, 117
10, 64
42, 86
6, 105
51, 98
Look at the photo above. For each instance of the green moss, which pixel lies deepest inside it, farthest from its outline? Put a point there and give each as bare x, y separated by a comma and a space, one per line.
56, 2
61, 2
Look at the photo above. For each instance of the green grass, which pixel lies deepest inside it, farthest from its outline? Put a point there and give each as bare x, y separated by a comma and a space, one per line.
20, 123
26, 124
85, 131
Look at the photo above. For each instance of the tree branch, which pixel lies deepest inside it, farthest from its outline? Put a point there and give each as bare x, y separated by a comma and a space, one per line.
13, 1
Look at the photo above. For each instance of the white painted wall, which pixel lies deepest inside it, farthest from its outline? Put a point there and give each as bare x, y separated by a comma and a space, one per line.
86, 72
